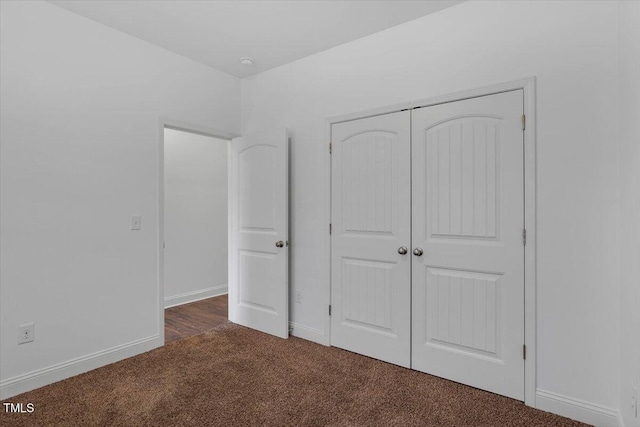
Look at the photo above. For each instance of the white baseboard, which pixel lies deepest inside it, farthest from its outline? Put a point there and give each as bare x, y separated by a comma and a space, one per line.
41, 377
194, 296
621, 420
307, 333
576, 409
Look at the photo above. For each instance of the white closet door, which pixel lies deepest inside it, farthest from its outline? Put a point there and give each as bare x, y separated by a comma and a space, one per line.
468, 216
370, 279
258, 232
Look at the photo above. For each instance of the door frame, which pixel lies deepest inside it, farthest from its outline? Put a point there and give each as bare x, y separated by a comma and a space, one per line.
167, 123
528, 86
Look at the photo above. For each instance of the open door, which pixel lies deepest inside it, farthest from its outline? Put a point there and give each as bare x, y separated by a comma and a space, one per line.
258, 232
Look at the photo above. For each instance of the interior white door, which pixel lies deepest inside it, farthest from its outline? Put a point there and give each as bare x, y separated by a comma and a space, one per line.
258, 232
468, 220
371, 208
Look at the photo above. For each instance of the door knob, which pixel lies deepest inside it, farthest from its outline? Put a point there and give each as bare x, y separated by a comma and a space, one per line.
418, 251
402, 250
279, 244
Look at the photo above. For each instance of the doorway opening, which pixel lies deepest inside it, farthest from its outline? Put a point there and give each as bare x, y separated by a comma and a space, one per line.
193, 230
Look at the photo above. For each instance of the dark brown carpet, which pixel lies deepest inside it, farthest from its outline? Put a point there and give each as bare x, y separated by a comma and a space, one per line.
234, 376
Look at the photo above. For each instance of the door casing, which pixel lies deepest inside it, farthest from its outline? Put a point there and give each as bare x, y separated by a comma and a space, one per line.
528, 86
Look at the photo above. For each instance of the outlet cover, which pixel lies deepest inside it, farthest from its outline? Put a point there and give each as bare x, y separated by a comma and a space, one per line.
26, 333
135, 222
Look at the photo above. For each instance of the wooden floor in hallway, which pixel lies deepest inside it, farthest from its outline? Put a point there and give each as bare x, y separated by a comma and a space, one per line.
186, 320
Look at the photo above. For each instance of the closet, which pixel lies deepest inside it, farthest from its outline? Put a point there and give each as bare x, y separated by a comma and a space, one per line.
427, 251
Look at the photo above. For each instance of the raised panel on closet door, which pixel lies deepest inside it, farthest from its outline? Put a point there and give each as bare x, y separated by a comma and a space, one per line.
467, 218
370, 279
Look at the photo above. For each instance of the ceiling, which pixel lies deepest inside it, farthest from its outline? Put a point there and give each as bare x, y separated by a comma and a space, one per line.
219, 33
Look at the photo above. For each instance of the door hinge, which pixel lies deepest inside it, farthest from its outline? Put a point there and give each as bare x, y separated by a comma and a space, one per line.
330, 228
524, 237
524, 351
330, 148
329, 309
524, 122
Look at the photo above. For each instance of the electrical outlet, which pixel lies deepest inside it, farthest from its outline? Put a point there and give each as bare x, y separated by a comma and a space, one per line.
299, 297
136, 222
26, 333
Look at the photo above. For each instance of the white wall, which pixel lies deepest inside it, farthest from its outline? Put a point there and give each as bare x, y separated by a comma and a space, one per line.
195, 217
79, 154
630, 212
572, 50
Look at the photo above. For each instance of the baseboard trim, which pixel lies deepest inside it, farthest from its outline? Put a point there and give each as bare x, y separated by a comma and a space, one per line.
577, 409
307, 333
49, 375
194, 296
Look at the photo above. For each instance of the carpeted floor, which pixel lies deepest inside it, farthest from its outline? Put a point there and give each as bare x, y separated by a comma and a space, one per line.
234, 376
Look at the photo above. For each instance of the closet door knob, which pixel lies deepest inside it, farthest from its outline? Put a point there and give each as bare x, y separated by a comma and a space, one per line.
418, 252
279, 244
402, 250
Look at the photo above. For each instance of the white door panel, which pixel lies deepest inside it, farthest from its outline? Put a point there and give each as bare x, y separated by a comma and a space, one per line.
468, 216
258, 218
370, 280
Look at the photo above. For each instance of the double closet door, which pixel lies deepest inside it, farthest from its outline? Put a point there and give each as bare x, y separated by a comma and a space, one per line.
427, 248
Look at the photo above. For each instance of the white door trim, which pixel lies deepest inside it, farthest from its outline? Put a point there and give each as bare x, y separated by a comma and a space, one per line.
164, 122
528, 86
